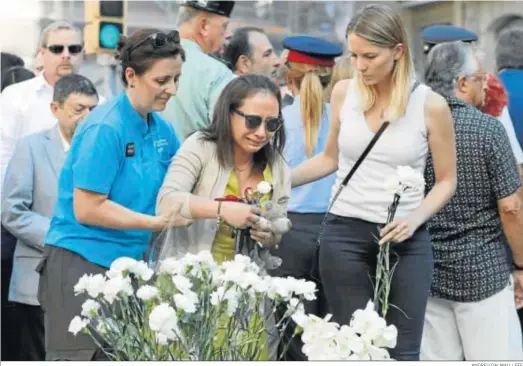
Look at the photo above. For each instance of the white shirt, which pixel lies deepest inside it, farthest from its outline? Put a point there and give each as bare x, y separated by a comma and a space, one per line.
65, 143
24, 110
404, 142
509, 127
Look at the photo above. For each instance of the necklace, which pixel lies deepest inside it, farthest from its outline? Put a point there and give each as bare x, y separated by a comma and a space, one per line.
246, 166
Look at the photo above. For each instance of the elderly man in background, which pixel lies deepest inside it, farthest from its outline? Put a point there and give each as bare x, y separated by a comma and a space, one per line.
250, 51
471, 313
202, 27
29, 196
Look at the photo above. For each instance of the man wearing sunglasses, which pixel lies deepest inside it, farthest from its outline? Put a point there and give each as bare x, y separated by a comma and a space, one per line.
25, 106
203, 27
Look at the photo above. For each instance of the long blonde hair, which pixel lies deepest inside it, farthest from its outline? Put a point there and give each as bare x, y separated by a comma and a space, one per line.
312, 81
381, 26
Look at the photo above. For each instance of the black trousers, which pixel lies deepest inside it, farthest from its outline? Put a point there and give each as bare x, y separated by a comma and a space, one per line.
32, 333
298, 252
347, 263
10, 328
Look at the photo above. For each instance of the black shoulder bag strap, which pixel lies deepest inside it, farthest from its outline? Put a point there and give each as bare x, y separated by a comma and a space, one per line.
314, 271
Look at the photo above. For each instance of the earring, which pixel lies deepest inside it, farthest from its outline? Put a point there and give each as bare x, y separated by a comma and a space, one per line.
132, 86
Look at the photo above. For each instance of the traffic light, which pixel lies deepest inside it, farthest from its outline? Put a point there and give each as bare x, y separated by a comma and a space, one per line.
104, 22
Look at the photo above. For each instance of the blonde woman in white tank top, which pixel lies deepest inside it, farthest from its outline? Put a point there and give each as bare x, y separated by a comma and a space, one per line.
420, 122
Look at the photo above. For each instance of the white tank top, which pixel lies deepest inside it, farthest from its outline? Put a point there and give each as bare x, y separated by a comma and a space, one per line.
404, 142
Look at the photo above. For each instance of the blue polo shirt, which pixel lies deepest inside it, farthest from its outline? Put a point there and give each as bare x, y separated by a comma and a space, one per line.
512, 80
117, 153
313, 197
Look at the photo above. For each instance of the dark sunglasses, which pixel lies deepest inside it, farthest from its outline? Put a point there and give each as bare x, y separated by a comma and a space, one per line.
272, 124
158, 40
57, 49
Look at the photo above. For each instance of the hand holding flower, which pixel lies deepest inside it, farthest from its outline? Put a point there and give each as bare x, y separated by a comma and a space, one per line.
398, 231
239, 215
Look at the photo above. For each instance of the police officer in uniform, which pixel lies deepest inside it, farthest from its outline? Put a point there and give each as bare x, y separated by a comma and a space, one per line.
202, 27
441, 33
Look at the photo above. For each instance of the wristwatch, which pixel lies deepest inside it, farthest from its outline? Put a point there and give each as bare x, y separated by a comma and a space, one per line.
517, 267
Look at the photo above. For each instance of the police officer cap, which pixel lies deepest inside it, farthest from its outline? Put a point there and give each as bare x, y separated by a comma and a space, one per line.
311, 50
217, 7
441, 33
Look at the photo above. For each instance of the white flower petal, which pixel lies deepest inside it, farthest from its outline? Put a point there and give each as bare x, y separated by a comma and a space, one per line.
77, 325
264, 187
164, 321
147, 292
90, 308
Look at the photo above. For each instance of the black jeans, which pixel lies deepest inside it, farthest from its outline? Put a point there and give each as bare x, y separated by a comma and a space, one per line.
347, 261
298, 253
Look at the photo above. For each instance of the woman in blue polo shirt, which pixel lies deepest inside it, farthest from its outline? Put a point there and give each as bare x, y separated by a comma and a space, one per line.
309, 69
108, 186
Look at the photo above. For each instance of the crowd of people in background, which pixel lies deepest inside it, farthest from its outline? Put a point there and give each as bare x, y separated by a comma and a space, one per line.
210, 109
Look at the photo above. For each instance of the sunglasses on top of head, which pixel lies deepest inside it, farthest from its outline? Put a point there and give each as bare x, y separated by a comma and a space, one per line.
57, 49
272, 124
158, 40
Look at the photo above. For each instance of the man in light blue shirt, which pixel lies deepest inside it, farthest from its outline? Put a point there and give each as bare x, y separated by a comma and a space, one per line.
202, 30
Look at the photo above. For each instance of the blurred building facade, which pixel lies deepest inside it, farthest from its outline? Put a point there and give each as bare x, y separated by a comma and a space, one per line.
22, 23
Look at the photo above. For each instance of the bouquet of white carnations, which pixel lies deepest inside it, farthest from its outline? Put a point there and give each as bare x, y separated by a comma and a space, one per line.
365, 338
195, 309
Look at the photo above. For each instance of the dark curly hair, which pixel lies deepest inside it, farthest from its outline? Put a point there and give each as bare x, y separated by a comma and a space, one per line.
139, 53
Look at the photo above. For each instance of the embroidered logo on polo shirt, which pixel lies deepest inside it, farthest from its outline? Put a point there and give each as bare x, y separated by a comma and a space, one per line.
160, 144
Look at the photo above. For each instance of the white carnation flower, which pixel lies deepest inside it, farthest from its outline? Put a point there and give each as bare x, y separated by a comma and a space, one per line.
232, 298
90, 308
96, 285
387, 338
218, 296
183, 284
81, 285
205, 256
147, 292
141, 270
393, 185
115, 286
378, 354
77, 325
367, 322
264, 187
121, 267
186, 301
93, 285
164, 321
172, 266
302, 287
410, 178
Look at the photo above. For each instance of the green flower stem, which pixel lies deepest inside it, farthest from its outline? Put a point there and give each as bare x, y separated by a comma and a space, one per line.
383, 269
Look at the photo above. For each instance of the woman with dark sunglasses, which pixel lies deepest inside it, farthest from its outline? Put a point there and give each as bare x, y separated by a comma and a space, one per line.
241, 148
108, 186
